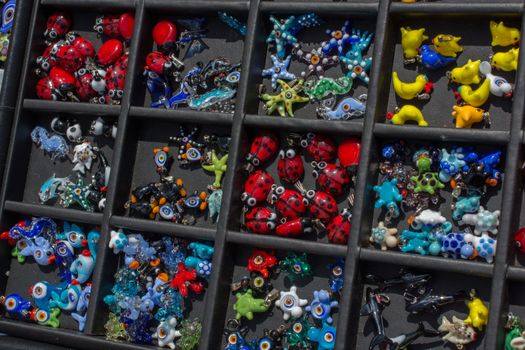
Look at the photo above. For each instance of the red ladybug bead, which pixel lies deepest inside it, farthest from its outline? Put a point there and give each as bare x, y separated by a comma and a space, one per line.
262, 262
159, 63
69, 58
57, 26
519, 239
294, 228
263, 148
348, 153
62, 79
83, 88
290, 166
289, 204
115, 79
47, 90
339, 228
84, 46
107, 25
165, 35
331, 178
110, 52
260, 220
47, 60
319, 147
322, 206
126, 22
257, 187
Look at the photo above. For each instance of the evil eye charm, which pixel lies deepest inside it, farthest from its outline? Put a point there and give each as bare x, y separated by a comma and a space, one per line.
324, 336
233, 77
167, 212
290, 303
16, 304
192, 202
265, 344
193, 154
42, 316
8, 15
161, 158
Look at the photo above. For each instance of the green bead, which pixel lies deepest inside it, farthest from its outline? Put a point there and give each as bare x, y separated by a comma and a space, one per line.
115, 329
190, 334
427, 182
216, 166
48, 318
514, 333
324, 87
296, 267
296, 334
246, 305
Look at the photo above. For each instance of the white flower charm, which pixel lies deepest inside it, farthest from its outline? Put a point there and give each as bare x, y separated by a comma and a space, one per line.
290, 304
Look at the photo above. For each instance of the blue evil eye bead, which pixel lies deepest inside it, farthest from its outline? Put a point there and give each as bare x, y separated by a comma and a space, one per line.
192, 202
193, 154
167, 212
42, 316
318, 311
161, 157
297, 268
329, 337
8, 15
15, 304
265, 344
233, 77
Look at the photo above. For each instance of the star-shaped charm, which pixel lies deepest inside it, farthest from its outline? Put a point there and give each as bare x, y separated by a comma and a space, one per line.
358, 67
279, 70
282, 34
284, 101
317, 62
339, 38
77, 193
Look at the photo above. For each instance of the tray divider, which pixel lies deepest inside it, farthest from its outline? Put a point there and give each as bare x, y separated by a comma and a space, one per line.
103, 273
351, 296
218, 289
495, 332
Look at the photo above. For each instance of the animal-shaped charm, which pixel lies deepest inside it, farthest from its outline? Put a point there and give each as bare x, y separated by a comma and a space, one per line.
321, 306
83, 156
476, 97
290, 303
467, 115
82, 267
417, 242
349, 108
465, 205
118, 241
506, 61
388, 197
81, 311
67, 300
323, 336
483, 221
478, 315
411, 40
246, 305
499, 86
420, 88
457, 332
455, 246
54, 145
432, 60
166, 333
447, 45
466, 74
484, 245
406, 113
384, 237
503, 35
42, 293
73, 234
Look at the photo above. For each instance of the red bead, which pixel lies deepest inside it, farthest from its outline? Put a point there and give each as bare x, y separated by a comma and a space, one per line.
165, 34
263, 148
290, 166
261, 261
110, 52
322, 206
289, 204
57, 26
519, 239
319, 147
260, 220
62, 79
257, 187
348, 153
69, 58
126, 24
159, 63
339, 229
46, 89
294, 228
331, 178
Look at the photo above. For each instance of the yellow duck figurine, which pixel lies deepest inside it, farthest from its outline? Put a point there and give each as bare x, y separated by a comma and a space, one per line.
476, 97
409, 91
478, 314
467, 115
411, 40
406, 113
447, 45
466, 74
503, 35
506, 61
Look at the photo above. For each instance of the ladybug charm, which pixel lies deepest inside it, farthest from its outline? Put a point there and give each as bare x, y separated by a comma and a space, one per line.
115, 79
348, 153
126, 22
321, 205
159, 63
110, 52
47, 90
289, 204
107, 25
261, 262
290, 166
294, 228
47, 60
519, 239
319, 147
330, 178
339, 227
257, 188
260, 220
57, 26
165, 35
83, 87
63, 80
264, 146
84, 46
69, 58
